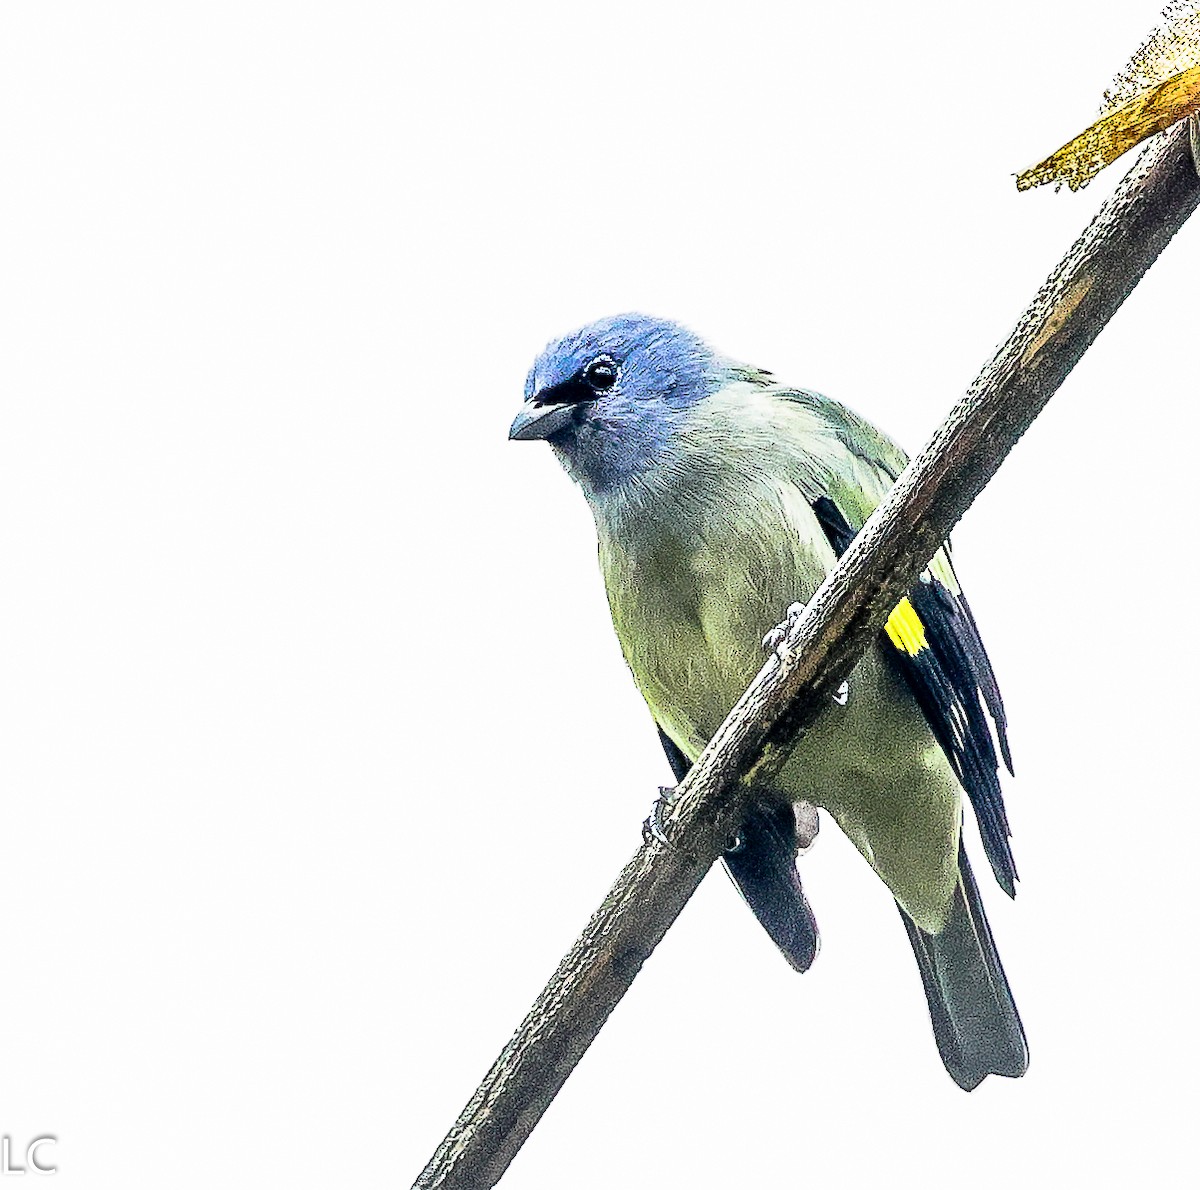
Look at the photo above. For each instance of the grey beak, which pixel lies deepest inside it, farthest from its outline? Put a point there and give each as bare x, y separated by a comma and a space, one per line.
540, 421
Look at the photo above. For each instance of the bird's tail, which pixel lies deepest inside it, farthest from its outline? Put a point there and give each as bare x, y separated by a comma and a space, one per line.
975, 1021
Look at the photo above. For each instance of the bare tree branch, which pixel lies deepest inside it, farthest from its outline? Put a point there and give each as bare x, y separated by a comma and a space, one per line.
1097, 274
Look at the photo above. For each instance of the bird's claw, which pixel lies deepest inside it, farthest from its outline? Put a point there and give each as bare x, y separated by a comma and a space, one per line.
653, 827
774, 641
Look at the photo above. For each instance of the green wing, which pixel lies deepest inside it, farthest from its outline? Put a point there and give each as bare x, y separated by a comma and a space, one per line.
935, 640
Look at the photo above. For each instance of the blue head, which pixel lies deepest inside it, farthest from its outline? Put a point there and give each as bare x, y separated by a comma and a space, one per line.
610, 397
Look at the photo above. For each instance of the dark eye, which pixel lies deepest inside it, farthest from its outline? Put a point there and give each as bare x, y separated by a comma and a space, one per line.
601, 373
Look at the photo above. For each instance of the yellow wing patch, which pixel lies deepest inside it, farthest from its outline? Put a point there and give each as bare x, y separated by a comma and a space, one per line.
905, 630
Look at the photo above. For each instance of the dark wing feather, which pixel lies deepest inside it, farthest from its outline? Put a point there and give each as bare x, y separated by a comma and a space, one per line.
981, 666
763, 866
952, 680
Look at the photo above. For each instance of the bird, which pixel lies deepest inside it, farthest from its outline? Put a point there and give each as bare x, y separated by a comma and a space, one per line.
721, 496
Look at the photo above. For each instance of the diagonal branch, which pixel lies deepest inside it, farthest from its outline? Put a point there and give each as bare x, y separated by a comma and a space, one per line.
1082, 294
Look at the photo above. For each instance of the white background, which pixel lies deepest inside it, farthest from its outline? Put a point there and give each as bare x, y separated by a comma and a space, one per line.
316, 746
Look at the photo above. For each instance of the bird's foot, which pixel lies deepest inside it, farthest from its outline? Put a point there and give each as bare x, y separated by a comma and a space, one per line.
774, 641
653, 827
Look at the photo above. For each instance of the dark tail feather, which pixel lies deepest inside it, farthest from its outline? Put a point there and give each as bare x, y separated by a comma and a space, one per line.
975, 1021
763, 866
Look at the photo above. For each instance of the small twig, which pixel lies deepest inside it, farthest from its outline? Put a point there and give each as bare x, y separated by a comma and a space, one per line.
1097, 274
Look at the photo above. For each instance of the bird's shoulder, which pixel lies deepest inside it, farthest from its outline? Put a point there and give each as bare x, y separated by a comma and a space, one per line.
799, 436
854, 432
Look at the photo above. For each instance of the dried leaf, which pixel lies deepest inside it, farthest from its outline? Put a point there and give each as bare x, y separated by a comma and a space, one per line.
1159, 86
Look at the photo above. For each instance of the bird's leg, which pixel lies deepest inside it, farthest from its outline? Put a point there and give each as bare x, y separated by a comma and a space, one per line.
807, 824
776, 639
653, 827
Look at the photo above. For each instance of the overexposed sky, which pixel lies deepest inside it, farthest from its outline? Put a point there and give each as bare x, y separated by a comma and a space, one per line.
316, 746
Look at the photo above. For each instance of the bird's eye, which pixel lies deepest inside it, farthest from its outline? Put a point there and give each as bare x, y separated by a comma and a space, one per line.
601, 373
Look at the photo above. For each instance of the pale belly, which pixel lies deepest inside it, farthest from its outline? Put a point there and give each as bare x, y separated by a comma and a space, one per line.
691, 625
